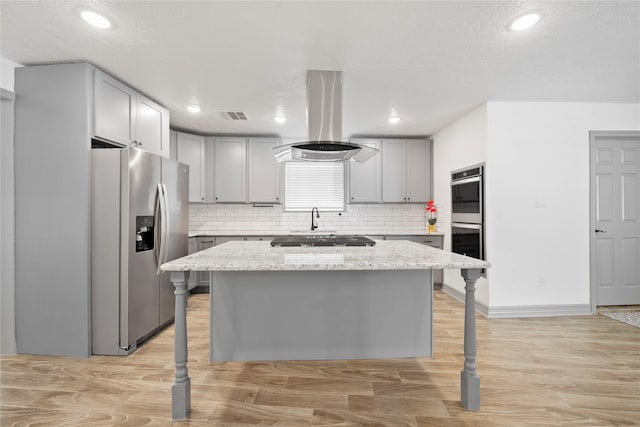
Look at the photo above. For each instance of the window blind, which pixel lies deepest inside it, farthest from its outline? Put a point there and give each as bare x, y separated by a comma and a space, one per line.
314, 184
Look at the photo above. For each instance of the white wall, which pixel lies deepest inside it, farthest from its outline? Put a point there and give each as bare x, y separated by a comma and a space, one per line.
7, 209
461, 144
540, 152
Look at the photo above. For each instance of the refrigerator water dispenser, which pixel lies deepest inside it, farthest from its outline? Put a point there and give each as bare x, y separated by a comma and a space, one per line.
144, 233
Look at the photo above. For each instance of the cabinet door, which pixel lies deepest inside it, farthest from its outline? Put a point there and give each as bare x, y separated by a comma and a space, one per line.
365, 179
113, 109
418, 171
434, 241
203, 276
230, 171
193, 244
191, 152
394, 160
263, 171
152, 126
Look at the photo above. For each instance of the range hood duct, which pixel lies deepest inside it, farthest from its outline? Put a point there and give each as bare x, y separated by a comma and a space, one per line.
324, 125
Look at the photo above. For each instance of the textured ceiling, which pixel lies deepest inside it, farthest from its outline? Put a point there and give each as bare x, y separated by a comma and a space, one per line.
428, 62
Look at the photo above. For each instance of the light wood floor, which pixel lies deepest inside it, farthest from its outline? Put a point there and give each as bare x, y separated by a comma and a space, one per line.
563, 371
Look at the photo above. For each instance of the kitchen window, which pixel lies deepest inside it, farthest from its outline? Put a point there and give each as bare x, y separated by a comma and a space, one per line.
314, 184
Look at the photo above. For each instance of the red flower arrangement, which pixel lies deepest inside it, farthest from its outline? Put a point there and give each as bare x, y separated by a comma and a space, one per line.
432, 212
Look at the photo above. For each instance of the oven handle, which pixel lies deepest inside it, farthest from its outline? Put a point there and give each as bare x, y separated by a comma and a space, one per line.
464, 225
466, 180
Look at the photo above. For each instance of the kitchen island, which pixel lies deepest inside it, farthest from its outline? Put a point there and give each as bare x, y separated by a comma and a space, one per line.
320, 303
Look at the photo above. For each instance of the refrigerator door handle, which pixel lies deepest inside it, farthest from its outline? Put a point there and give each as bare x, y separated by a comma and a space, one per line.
166, 221
162, 224
158, 227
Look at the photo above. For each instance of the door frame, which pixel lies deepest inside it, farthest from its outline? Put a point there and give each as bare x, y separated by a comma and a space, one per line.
593, 137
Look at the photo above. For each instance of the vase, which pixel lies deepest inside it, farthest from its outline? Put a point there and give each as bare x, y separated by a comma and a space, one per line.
431, 228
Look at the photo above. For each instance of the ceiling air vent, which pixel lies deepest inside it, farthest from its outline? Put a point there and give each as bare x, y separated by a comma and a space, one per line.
234, 115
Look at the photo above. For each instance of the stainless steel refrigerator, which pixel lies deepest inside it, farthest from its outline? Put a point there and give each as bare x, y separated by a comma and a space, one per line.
139, 221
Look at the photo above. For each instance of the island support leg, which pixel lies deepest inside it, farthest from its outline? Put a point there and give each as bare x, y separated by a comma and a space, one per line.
181, 388
469, 380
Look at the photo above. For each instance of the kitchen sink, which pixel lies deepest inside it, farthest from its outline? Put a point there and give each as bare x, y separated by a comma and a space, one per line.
322, 240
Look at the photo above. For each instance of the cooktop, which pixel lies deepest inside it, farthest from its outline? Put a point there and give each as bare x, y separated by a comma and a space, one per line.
322, 240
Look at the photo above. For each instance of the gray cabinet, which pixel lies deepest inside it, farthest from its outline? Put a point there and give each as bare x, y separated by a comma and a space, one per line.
365, 179
59, 110
406, 171
191, 151
192, 248
246, 170
205, 242
202, 277
230, 170
114, 109
259, 238
152, 126
126, 117
263, 171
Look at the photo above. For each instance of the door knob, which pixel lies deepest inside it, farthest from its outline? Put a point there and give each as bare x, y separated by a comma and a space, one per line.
600, 231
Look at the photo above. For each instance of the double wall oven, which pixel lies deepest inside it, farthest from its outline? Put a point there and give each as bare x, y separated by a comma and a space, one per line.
467, 211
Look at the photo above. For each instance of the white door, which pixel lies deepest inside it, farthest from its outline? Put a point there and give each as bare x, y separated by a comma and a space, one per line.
615, 189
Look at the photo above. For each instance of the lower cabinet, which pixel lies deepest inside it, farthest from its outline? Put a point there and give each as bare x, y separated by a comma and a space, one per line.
201, 278
193, 248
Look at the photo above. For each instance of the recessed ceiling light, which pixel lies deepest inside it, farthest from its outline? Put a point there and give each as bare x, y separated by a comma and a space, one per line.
193, 108
95, 19
393, 120
525, 21
279, 119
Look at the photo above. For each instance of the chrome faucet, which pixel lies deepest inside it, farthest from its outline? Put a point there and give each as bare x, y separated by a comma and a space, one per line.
313, 224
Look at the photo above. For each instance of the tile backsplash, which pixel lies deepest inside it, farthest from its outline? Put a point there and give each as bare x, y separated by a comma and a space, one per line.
357, 219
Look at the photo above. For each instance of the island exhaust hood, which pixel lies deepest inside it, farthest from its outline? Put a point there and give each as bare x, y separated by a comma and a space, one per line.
324, 124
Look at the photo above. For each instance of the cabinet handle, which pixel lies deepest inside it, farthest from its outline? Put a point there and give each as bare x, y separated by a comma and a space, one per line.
216, 198
351, 197
409, 199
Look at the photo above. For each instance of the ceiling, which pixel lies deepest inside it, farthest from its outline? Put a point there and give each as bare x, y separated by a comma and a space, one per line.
427, 62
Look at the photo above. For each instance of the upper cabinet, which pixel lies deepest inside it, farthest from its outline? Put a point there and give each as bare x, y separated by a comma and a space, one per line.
191, 151
263, 171
126, 117
406, 171
246, 170
365, 179
114, 109
230, 170
152, 126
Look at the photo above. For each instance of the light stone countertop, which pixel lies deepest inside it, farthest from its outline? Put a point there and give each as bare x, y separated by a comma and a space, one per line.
292, 232
261, 256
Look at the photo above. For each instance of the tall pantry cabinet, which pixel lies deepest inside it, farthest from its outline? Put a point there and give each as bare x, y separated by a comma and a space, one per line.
59, 110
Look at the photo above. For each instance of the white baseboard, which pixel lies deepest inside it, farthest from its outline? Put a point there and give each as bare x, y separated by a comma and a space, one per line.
524, 310
482, 308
